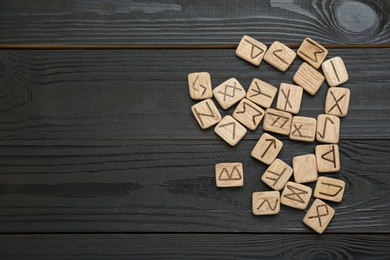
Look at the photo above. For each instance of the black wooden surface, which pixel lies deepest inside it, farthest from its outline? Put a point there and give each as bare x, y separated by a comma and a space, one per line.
100, 156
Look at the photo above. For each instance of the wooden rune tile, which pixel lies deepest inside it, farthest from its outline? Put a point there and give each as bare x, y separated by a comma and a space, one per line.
229, 175
267, 148
249, 114
312, 52
329, 189
337, 101
230, 130
199, 84
296, 195
206, 113
229, 93
303, 129
328, 129
266, 203
328, 158
251, 50
289, 98
335, 71
279, 56
277, 174
277, 121
261, 93
319, 216
308, 78
305, 168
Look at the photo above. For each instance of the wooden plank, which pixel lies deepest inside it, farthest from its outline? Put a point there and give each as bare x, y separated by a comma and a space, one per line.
192, 22
133, 94
195, 246
169, 186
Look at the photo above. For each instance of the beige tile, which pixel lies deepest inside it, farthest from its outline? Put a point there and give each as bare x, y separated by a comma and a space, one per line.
335, 72
266, 203
308, 78
328, 158
229, 175
296, 195
199, 84
261, 93
329, 189
206, 113
267, 148
277, 121
230, 130
280, 56
249, 114
305, 168
312, 52
229, 93
289, 98
319, 216
251, 50
303, 129
337, 101
277, 174
328, 129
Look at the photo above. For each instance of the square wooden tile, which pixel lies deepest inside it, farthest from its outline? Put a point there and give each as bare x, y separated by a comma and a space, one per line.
319, 216
261, 93
277, 121
335, 71
305, 168
251, 50
303, 129
289, 98
312, 52
296, 195
277, 174
206, 113
199, 84
328, 158
267, 148
329, 189
308, 78
280, 56
266, 203
229, 93
229, 175
328, 129
249, 114
230, 130
337, 101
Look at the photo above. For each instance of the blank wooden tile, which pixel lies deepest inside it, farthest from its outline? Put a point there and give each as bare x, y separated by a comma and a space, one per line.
230, 130
328, 158
337, 101
261, 93
329, 189
280, 56
328, 129
206, 113
277, 121
296, 195
335, 72
305, 168
251, 50
319, 216
303, 129
289, 98
266, 203
267, 148
229, 175
312, 52
308, 78
277, 174
229, 93
199, 84
249, 114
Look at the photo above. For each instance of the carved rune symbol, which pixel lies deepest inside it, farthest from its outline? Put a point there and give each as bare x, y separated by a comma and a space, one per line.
322, 135
319, 214
202, 114
277, 174
297, 129
245, 105
233, 129
233, 175
258, 92
336, 102
335, 72
225, 92
277, 119
269, 204
340, 188
277, 55
255, 51
332, 156
319, 50
295, 194
271, 142
194, 85
287, 97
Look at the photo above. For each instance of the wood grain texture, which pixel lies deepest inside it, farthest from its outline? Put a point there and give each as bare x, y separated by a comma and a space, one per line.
193, 22
135, 94
195, 246
169, 186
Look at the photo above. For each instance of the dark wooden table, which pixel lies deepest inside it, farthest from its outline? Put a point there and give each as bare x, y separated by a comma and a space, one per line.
100, 156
